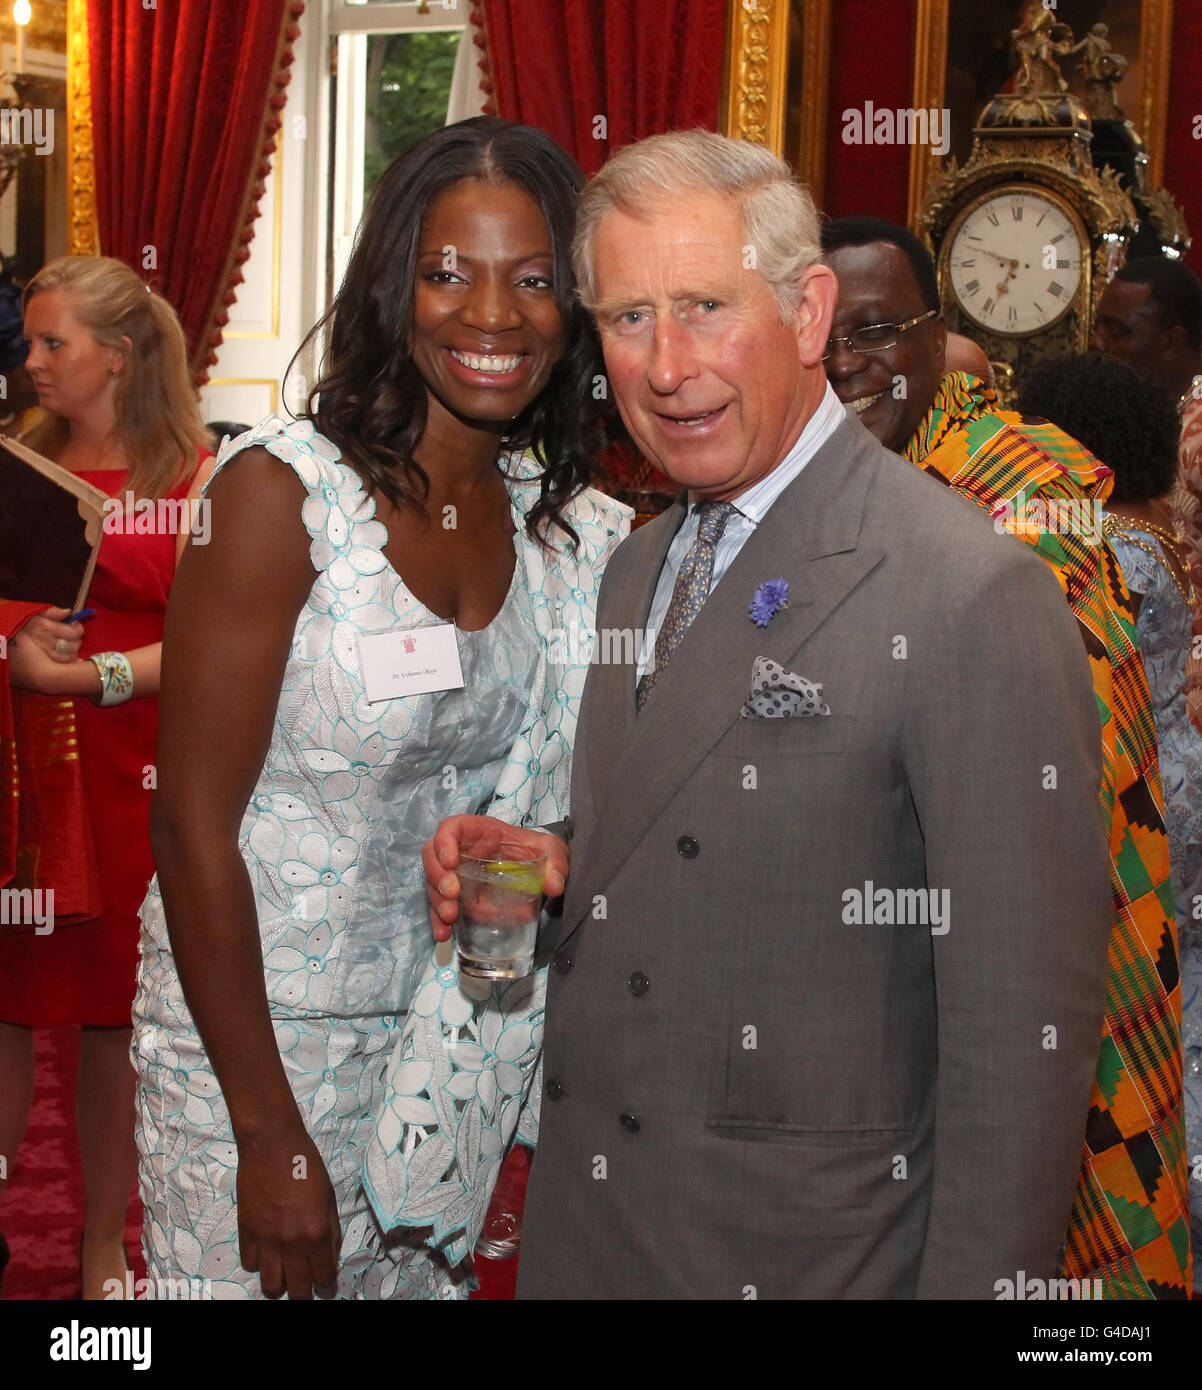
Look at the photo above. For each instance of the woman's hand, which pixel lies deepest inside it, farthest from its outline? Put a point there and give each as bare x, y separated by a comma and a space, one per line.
31, 667
44, 657
484, 835
59, 640
288, 1228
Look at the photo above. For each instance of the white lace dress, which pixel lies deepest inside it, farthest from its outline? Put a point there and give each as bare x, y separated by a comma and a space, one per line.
331, 839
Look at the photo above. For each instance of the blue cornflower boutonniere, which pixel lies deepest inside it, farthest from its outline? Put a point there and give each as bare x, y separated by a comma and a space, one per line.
770, 598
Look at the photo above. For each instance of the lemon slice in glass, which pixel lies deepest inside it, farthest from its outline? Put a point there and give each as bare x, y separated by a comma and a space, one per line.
522, 878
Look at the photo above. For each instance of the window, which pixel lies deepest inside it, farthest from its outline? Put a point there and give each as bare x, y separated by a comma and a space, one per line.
395, 69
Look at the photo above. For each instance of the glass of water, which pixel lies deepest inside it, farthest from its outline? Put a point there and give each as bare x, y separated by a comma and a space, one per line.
500, 896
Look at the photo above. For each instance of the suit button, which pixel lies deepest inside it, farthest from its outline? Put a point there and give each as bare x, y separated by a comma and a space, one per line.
629, 1124
687, 847
638, 983
554, 1090
562, 963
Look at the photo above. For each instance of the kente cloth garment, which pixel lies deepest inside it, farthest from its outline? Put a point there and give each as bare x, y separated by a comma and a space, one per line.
1185, 503
690, 590
1165, 625
331, 839
1129, 1225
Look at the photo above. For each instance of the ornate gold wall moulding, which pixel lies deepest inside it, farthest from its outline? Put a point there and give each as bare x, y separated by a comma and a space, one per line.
755, 72
273, 386
83, 235
930, 76
1155, 58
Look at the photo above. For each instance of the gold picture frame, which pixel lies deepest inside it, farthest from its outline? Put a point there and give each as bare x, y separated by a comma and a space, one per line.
776, 84
768, 40
83, 237
1147, 107
753, 106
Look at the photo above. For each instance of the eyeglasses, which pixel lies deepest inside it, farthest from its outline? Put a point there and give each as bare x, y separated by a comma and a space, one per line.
876, 337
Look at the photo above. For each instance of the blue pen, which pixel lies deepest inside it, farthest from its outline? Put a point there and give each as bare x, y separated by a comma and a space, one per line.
80, 616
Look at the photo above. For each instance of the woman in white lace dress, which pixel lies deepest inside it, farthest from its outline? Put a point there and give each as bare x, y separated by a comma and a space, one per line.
438, 481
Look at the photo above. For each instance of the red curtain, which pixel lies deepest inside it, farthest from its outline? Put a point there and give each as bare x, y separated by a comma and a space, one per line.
872, 59
186, 101
598, 74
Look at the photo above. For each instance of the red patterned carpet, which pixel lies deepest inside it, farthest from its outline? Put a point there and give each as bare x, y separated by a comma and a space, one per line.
42, 1212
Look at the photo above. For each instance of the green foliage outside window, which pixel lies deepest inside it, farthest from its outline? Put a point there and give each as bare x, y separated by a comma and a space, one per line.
408, 86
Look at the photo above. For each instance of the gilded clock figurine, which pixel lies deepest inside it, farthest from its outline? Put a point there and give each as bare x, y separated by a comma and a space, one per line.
1027, 233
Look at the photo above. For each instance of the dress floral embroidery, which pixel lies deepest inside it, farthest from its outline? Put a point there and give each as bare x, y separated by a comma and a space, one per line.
331, 839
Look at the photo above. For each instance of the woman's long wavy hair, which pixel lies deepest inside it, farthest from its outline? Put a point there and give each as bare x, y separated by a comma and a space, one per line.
158, 424
370, 398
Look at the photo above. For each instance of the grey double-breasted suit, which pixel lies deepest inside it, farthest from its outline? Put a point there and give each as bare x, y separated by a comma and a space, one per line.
757, 1080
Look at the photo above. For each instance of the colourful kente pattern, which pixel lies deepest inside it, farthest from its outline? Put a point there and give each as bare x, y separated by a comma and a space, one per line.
1129, 1224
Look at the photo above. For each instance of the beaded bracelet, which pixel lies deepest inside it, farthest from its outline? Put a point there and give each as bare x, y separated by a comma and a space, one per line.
116, 677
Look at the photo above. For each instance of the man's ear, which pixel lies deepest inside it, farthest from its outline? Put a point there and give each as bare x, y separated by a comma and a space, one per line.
815, 313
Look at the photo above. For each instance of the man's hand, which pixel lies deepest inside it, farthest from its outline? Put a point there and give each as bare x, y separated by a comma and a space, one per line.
480, 836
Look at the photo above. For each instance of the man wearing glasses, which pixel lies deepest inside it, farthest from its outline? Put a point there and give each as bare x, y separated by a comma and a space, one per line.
885, 359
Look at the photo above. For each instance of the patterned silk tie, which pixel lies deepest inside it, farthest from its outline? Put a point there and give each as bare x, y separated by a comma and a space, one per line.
691, 589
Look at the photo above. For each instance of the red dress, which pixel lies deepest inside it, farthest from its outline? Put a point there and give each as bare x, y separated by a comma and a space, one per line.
87, 974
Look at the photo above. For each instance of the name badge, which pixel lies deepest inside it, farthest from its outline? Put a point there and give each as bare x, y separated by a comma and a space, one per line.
410, 663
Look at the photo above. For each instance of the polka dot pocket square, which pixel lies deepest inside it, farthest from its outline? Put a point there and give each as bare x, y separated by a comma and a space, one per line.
779, 694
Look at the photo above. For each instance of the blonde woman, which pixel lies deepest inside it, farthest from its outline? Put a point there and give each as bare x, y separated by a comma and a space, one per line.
108, 361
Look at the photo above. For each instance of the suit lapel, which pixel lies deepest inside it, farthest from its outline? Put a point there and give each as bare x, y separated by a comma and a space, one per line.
811, 538
607, 714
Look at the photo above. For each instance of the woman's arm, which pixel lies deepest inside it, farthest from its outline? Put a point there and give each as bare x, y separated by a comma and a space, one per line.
227, 639
52, 673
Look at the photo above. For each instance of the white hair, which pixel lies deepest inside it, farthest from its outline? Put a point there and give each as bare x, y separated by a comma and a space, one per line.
779, 218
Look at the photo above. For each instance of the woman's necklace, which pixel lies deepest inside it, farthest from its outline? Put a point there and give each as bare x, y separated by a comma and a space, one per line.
1170, 541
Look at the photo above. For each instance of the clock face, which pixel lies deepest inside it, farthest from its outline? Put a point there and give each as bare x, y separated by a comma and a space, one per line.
1015, 262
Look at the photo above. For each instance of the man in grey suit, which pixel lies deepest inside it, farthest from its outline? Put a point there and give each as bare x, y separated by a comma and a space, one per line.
823, 1008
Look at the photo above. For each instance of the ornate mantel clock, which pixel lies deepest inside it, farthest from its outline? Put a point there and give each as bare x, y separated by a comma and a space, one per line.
1027, 234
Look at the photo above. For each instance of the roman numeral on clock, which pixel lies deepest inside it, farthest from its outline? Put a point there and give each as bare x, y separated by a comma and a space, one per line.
972, 287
